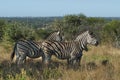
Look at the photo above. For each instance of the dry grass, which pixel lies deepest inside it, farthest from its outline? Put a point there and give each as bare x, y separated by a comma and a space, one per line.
99, 63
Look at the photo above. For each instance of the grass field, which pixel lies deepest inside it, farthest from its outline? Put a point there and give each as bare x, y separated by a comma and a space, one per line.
99, 63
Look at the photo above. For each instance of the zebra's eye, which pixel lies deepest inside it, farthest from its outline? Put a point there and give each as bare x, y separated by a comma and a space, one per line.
91, 33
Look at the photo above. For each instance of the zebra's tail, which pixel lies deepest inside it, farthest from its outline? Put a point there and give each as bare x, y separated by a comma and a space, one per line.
13, 53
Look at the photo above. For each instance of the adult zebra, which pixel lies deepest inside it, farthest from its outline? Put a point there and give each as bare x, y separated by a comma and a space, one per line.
71, 50
31, 49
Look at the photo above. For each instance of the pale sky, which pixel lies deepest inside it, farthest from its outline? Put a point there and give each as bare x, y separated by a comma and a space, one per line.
45, 8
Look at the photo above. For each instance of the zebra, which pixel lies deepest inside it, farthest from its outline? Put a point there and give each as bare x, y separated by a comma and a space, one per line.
70, 50
31, 49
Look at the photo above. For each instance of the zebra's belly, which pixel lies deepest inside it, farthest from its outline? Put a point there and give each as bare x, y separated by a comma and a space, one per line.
63, 57
34, 55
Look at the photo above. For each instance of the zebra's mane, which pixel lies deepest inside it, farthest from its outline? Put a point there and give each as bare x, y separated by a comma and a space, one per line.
80, 35
50, 34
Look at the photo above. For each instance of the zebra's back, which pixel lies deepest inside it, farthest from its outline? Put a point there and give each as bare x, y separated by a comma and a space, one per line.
62, 50
30, 48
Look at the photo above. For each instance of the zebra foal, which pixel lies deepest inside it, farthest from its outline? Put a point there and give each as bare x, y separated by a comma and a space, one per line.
71, 50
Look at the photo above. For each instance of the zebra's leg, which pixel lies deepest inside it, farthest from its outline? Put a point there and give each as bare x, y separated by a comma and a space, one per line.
25, 60
76, 63
78, 59
17, 59
46, 56
47, 59
43, 58
21, 59
24, 57
68, 61
19, 62
18, 55
72, 62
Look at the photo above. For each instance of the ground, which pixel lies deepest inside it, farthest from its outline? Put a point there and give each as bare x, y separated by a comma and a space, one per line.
99, 63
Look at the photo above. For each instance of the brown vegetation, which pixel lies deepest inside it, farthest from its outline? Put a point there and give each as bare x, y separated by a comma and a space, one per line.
99, 63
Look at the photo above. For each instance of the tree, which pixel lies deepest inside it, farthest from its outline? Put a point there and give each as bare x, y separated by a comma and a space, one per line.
16, 31
112, 31
2, 27
73, 20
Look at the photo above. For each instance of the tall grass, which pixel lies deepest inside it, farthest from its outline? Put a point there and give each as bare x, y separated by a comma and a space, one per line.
99, 63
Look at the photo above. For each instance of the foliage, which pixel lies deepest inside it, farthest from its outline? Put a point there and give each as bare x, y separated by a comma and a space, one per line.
106, 29
2, 26
93, 21
51, 73
73, 20
99, 63
14, 32
112, 32
43, 33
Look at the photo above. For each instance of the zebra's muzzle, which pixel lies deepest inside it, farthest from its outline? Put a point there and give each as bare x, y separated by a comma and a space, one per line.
96, 44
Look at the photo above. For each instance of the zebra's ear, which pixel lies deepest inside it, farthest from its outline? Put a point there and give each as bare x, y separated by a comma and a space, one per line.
58, 32
90, 32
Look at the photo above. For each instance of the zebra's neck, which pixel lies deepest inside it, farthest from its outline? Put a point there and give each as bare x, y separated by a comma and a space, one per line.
82, 46
82, 42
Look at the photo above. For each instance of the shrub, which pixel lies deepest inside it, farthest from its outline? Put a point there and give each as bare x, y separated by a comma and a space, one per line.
51, 74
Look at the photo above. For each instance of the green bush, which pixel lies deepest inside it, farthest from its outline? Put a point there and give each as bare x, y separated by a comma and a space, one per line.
14, 32
111, 32
2, 27
51, 74
43, 33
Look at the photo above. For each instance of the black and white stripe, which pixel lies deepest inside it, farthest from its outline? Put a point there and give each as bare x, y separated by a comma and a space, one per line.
72, 50
31, 49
